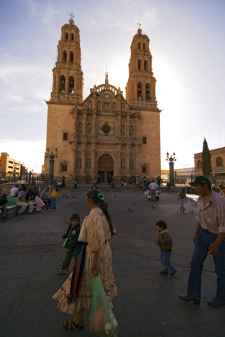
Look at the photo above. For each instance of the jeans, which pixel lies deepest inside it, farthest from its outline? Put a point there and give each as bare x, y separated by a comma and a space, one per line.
199, 255
165, 261
53, 203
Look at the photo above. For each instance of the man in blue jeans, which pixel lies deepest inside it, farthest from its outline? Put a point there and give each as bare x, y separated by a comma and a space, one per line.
209, 239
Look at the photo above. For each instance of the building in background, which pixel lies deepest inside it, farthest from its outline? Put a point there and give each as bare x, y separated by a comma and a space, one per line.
182, 176
9, 167
217, 163
104, 136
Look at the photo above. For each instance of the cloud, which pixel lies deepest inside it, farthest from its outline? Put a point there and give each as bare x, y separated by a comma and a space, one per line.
23, 85
46, 12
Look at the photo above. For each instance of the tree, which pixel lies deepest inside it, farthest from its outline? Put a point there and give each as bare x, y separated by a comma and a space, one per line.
206, 160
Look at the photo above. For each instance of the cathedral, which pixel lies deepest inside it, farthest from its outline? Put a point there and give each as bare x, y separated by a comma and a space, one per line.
105, 136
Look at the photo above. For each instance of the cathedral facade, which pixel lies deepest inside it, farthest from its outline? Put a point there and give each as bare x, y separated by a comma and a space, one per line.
106, 135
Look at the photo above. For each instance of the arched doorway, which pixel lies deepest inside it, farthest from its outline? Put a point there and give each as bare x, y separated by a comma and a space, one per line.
105, 169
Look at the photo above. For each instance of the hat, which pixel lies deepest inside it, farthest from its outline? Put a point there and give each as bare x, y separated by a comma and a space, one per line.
100, 196
201, 180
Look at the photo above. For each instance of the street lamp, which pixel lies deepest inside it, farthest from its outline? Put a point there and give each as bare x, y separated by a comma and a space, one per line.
51, 161
171, 159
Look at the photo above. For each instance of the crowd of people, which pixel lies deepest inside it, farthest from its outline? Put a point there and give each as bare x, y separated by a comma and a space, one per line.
28, 199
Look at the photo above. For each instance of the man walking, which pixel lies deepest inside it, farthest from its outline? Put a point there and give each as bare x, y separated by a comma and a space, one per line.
209, 239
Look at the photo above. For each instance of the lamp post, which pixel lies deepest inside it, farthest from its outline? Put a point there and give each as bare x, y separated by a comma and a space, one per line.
171, 159
51, 162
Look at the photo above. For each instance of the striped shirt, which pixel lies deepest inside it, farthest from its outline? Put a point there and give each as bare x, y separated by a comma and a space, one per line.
211, 213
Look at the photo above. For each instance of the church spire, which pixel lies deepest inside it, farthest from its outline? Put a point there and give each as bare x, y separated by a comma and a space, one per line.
141, 82
67, 74
106, 78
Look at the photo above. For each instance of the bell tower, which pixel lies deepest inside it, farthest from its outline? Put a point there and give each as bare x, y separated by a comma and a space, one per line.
141, 96
141, 82
67, 93
67, 74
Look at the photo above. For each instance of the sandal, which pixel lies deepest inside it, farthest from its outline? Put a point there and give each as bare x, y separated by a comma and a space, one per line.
69, 325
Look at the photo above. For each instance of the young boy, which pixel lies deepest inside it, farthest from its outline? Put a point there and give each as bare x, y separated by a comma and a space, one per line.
165, 243
70, 240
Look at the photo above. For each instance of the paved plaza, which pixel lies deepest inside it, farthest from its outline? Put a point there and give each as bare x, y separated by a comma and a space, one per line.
147, 306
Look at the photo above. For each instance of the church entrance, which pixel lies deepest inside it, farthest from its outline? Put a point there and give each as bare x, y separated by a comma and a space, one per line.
105, 169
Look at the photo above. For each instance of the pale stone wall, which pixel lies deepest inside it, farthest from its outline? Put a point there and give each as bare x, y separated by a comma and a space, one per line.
149, 154
60, 119
217, 162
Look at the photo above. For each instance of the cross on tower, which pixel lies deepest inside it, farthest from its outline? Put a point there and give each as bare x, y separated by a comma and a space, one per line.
72, 16
139, 27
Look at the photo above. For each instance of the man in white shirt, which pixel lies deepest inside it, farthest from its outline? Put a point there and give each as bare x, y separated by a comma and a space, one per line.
14, 191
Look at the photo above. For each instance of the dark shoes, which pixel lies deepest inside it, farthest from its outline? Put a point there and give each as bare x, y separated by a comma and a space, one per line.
217, 303
62, 273
165, 273
189, 299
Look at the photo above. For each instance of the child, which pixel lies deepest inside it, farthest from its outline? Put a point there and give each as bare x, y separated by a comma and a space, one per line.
182, 199
165, 243
54, 195
70, 240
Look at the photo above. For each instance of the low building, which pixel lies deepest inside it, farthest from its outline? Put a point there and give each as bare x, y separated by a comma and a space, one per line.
217, 162
182, 176
9, 167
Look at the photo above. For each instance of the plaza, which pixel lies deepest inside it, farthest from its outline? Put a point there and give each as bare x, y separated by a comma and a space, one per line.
147, 305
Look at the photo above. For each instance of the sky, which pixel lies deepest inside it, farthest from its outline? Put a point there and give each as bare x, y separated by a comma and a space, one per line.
187, 44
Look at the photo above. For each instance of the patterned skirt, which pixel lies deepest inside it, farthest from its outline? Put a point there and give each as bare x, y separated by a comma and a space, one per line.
82, 303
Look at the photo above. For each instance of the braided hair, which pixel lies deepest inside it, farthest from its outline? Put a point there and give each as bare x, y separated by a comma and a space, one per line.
98, 199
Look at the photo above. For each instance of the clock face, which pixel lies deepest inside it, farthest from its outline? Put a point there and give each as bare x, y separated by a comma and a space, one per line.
106, 128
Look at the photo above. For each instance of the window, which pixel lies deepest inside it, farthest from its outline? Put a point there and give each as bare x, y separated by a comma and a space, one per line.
144, 140
106, 107
63, 166
139, 65
144, 168
72, 37
71, 57
64, 56
99, 106
139, 46
66, 36
144, 46
146, 65
199, 164
65, 136
71, 85
62, 83
219, 162
139, 91
148, 92
123, 164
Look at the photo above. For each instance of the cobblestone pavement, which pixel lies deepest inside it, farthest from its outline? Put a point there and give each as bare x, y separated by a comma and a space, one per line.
147, 306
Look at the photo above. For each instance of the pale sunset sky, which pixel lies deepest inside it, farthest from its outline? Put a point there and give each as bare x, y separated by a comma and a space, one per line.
187, 44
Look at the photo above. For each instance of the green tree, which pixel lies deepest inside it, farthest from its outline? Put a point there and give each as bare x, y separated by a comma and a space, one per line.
206, 160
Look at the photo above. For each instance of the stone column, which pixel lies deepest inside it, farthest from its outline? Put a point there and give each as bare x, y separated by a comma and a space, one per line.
83, 147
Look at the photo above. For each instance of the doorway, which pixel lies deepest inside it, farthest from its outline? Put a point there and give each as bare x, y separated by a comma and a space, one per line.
105, 169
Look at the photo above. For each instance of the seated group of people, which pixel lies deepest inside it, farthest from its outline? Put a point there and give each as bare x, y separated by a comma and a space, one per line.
27, 199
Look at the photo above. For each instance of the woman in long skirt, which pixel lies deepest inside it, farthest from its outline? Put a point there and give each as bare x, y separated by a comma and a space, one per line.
97, 232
